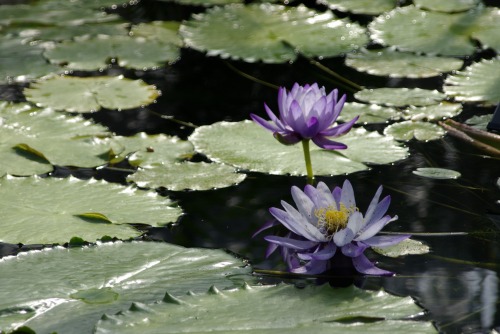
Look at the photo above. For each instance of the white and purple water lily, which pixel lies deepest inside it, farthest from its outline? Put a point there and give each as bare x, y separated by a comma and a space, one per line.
326, 223
307, 112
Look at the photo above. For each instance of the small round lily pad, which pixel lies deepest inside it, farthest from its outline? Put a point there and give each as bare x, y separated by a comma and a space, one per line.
436, 173
368, 113
400, 97
408, 130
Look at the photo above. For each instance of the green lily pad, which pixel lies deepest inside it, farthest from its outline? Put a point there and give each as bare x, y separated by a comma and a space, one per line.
164, 31
479, 122
436, 173
187, 175
405, 247
322, 310
433, 113
204, 3
33, 139
388, 62
94, 4
151, 150
447, 6
75, 286
400, 97
366, 7
264, 32
247, 146
368, 113
96, 53
477, 83
408, 130
87, 209
90, 94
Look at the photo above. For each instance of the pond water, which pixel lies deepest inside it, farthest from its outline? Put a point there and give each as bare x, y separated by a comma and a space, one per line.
457, 282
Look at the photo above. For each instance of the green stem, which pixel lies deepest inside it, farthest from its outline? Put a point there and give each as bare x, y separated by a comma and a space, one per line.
307, 158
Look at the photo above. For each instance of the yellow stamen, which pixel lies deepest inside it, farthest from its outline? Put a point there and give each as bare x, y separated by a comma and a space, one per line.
332, 219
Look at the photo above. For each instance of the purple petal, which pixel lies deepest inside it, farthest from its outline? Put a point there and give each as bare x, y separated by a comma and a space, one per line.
343, 237
267, 225
336, 193
353, 250
347, 196
304, 204
270, 113
287, 138
313, 267
369, 231
265, 124
373, 205
298, 226
328, 144
325, 195
355, 222
339, 130
364, 266
324, 254
270, 249
385, 240
338, 107
312, 127
290, 243
379, 211
295, 118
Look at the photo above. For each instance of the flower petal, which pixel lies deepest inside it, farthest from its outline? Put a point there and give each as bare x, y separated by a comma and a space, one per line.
365, 266
369, 231
373, 205
296, 223
356, 222
313, 267
327, 144
267, 225
339, 130
304, 204
338, 107
343, 237
379, 211
290, 243
326, 253
353, 250
312, 127
270, 249
385, 240
265, 124
347, 196
287, 138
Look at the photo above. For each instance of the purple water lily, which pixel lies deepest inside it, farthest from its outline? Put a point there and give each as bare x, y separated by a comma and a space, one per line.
327, 222
307, 113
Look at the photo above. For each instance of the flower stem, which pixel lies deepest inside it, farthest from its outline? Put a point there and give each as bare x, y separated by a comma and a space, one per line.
307, 158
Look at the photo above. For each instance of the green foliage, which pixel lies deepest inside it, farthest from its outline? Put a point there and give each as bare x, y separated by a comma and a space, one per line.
366, 7
436, 173
400, 97
408, 130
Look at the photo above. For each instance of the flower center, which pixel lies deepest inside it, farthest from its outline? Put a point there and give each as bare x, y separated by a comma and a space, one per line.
333, 220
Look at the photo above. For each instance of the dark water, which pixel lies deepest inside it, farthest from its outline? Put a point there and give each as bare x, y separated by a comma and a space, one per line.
457, 282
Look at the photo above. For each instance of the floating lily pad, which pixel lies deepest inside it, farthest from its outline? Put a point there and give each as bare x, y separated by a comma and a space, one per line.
408, 130
322, 310
96, 53
388, 62
405, 247
434, 112
368, 113
151, 150
479, 122
32, 140
164, 31
265, 32
400, 97
49, 210
436, 173
187, 175
75, 286
412, 29
448, 5
90, 94
477, 83
367, 7
204, 3
247, 146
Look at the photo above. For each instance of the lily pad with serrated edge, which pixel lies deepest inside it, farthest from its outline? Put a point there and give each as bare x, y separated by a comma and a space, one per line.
33, 139
95, 53
323, 310
147, 150
405, 247
388, 62
49, 210
479, 122
479, 82
75, 287
450, 6
164, 31
408, 130
368, 113
247, 146
204, 3
400, 97
366, 7
434, 112
436, 173
187, 175
74, 94
263, 32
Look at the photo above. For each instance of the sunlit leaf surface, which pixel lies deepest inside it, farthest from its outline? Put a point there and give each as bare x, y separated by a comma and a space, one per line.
405, 247
447, 6
263, 32
436, 173
367, 7
247, 146
164, 31
204, 3
477, 83
388, 62
414, 129
433, 112
75, 287
187, 175
90, 94
400, 97
322, 310
368, 113
50, 210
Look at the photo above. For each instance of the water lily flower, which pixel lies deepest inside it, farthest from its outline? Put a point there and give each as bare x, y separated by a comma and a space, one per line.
307, 112
326, 223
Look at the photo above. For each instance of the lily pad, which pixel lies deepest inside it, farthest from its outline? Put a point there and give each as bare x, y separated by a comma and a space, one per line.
97, 52
408, 130
270, 33
247, 146
366, 7
75, 286
479, 122
400, 97
90, 94
49, 210
447, 6
436, 173
405, 247
204, 3
434, 112
322, 310
33, 139
368, 113
187, 175
164, 31
388, 62
477, 83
